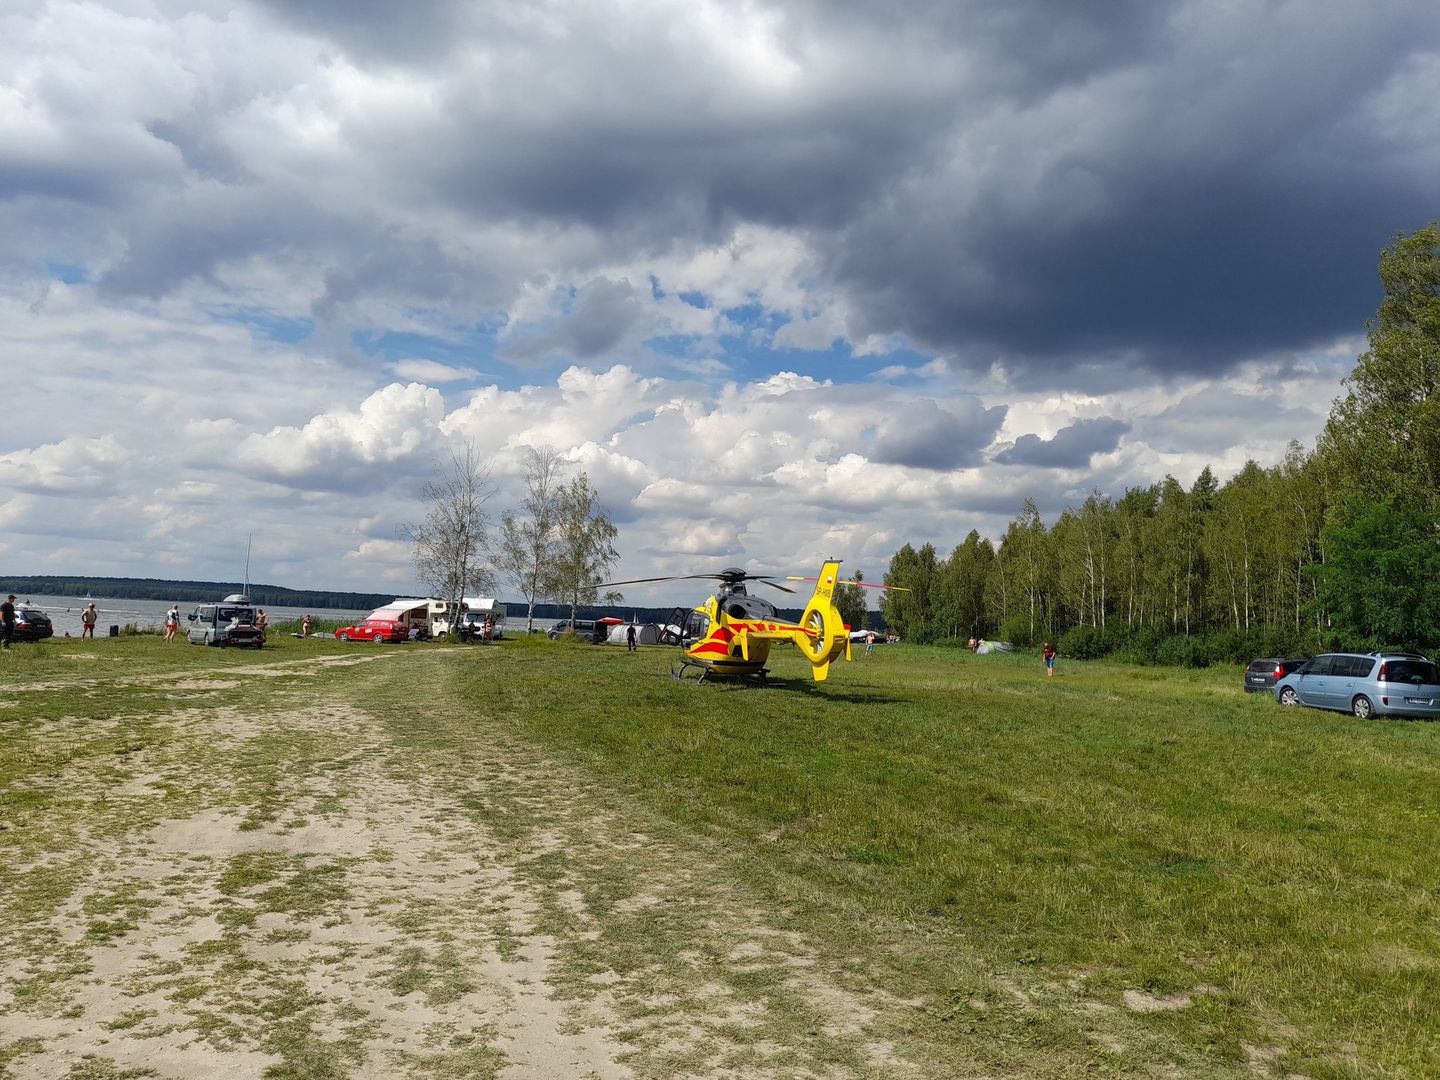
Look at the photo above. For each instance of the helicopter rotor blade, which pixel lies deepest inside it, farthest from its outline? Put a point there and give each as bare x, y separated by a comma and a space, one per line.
673, 577
772, 583
862, 584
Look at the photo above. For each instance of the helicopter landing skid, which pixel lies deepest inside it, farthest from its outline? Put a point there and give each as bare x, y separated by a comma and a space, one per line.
757, 678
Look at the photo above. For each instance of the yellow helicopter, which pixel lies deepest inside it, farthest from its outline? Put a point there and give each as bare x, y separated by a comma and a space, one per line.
730, 634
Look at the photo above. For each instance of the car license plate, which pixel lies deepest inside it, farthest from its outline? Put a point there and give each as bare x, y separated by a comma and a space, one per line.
1419, 701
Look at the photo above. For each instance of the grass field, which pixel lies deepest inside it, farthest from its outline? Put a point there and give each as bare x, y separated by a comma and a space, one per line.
550, 859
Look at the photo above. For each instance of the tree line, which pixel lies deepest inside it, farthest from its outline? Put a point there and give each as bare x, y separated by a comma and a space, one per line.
120, 588
1337, 546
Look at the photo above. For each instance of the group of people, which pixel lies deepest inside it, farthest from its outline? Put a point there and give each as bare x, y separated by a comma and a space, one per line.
485, 631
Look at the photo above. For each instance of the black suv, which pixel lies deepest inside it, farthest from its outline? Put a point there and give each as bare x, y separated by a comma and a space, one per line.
31, 624
1265, 673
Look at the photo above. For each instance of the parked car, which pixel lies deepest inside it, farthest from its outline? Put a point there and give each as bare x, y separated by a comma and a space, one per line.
230, 622
1365, 684
585, 628
1263, 674
31, 624
377, 631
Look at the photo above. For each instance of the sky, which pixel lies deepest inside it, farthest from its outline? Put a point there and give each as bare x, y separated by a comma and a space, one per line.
786, 280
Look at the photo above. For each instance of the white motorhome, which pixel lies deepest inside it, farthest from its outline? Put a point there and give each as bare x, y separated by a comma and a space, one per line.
474, 610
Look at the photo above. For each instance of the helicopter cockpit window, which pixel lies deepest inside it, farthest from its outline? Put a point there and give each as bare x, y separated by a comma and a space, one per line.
697, 625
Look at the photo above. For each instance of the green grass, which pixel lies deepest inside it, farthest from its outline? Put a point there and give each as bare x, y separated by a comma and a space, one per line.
995, 858
1133, 829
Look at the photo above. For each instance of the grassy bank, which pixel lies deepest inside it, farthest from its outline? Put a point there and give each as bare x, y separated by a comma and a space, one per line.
1118, 870
964, 823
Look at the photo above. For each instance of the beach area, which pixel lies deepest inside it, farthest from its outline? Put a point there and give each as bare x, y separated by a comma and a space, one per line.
64, 612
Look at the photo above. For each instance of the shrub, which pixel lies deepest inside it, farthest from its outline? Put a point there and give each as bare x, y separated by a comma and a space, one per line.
1181, 650
1016, 630
1084, 643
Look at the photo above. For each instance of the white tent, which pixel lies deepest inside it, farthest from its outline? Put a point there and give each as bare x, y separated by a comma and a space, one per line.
645, 634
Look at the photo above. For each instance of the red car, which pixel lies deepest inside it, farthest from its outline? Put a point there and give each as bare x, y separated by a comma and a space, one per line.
376, 630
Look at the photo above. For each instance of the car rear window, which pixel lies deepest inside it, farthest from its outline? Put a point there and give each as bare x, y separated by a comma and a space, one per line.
1257, 666
1353, 667
1415, 672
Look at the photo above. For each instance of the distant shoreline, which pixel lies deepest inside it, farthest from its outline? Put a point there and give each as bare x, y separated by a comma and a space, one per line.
183, 591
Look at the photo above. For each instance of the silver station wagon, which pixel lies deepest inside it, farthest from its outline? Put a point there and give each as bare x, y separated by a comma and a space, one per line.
1365, 684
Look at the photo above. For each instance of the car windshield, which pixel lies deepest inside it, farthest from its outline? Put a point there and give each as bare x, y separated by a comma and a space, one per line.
1416, 672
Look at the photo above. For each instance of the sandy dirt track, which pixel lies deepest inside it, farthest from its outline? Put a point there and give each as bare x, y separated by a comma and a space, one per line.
333, 910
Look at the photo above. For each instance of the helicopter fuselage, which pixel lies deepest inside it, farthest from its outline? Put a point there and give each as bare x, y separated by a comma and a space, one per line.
731, 633
713, 633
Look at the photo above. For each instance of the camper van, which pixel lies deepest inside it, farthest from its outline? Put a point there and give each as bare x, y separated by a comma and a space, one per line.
230, 622
474, 610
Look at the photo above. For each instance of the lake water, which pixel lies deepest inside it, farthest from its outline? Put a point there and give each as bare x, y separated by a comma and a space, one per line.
64, 612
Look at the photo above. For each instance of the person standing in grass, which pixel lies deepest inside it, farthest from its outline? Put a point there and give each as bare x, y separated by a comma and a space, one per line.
88, 618
630, 638
305, 624
172, 623
7, 621
1049, 655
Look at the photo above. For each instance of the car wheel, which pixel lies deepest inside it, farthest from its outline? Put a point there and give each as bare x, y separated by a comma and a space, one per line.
1287, 697
344, 636
1362, 707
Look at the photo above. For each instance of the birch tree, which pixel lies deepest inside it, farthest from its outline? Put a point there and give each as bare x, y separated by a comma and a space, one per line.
529, 537
450, 541
584, 548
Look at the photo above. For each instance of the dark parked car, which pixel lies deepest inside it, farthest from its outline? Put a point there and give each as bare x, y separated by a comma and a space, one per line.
1265, 673
1365, 684
583, 628
31, 624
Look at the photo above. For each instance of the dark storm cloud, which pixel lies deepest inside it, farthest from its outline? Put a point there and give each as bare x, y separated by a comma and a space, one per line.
377, 29
923, 435
1155, 187
1071, 447
597, 321
1224, 196
1163, 186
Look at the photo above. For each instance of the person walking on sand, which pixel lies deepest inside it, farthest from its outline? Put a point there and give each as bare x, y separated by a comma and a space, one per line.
7, 621
172, 623
1049, 655
88, 618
